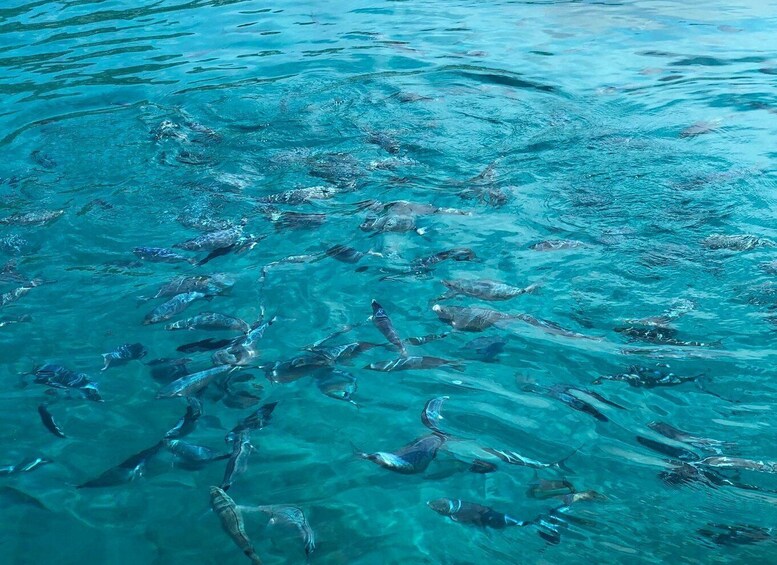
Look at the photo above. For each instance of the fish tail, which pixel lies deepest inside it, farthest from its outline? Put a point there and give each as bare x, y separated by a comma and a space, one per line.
106, 361
561, 464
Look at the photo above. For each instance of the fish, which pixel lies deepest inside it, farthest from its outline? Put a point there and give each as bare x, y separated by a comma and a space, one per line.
337, 384
482, 467
431, 413
210, 321
38, 218
175, 305
57, 376
298, 220
188, 421
454, 254
193, 455
383, 140
208, 344
299, 195
485, 348
295, 368
721, 462
191, 384
238, 459
390, 223
385, 327
544, 488
344, 253
14, 295
411, 363
292, 516
245, 349
255, 421
702, 443
470, 319
124, 353
472, 513
739, 534
553, 328
48, 421
213, 240
10, 496
515, 458
25, 466
679, 453
232, 522
741, 242
660, 335
206, 284
167, 370
7, 321
344, 352
128, 470
161, 255
562, 392
556, 245
484, 289
648, 377
411, 459
424, 339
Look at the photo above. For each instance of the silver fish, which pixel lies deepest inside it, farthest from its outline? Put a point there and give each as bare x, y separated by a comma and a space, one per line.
207, 284
291, 515
192, 384
410, 363
384, 325
742, 242
210, 321
123, 354
213, 240
161, 255
32, 218
470, 319
238, 459
484, 289
410, 459
175, 305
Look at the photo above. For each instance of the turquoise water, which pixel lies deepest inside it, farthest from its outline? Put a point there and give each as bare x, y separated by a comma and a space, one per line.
642, 131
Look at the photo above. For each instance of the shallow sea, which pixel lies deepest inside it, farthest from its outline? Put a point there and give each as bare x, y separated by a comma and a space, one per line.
639, 134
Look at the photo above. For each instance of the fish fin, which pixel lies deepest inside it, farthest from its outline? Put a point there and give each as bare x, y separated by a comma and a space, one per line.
106, 360
561, 464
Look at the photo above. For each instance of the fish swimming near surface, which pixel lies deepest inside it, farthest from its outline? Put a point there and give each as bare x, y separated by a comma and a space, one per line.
344, 352
742, 242
161, 255
337, 384
128, 470
25, 466
515, 458
244, 349
564, 394
486, 348
123, 354
191, 384
232, 522
206, 284
484, 289
386, 327
702, 443
411, 459
57, 376
38, 218
175, 305
424, 339
191, 455
411, 363
255, 421
208, 344
15, 294
188, 421
432, 413
238, 459
556, 245
213, 240
210, 321
470, 319
424, 265
648, 377
299, 195
739, 534
472, 513
291, 516
548, 488
48, 421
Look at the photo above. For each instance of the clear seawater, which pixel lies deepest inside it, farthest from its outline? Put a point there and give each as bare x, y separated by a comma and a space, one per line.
581, 108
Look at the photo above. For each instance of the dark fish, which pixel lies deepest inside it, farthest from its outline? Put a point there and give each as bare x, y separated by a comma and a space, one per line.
412, 458
232, 522
431, 413
161, 255
192, 384
193, 455
553, 328
482, 467
335, 353
648, 377
48, 421
544, 488
411, 363
740, 534
484, 289
167, 370
253, 422
175, 305
471, 513
126, 471
470, 319
455, 254
344, 253
702, 443
485, 348
289, 515
216, 253
298, 220
384, 325
337, 384
210, 321
238, 459
424, 339
14, 320
25, 466
188, 421
123, 354
244, 349
659, 335
383, 140
669, 450
57, 376
14, 295
208, 344
10, 496
294, 368
390, 223
562, 393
